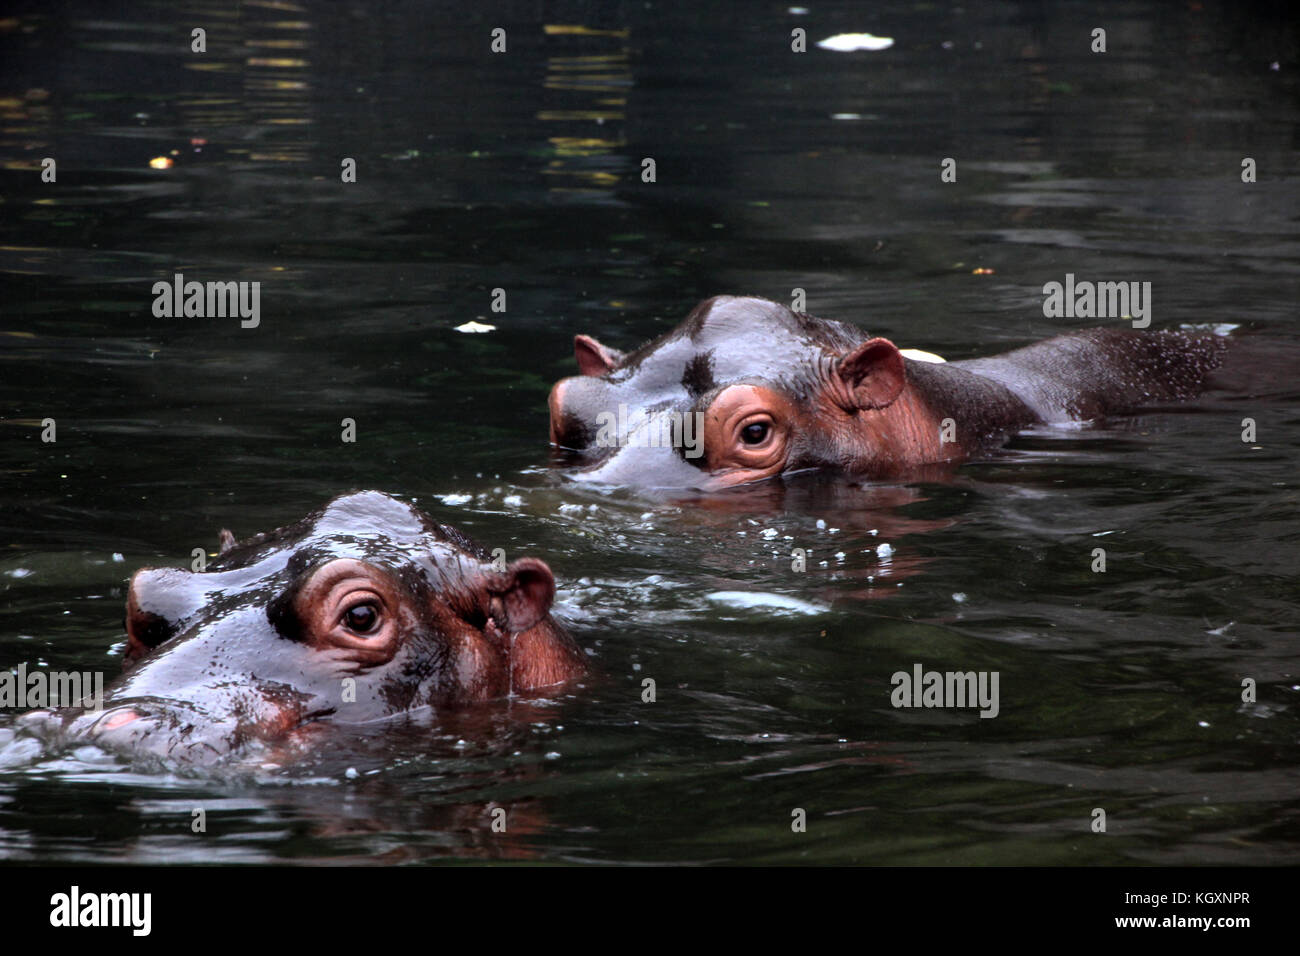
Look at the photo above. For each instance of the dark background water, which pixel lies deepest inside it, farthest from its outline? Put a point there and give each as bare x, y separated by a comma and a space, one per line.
775, 170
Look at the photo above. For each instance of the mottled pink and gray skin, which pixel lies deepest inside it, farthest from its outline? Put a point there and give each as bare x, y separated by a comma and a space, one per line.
779, 392
363, 610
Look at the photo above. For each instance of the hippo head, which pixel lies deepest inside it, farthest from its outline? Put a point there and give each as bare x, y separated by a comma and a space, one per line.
362, 610
744, 389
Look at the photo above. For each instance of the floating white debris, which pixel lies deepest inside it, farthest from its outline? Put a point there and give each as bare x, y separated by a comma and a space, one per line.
848, 42
454, 499
1218, 328
472, 326
884, 551
514, 501
959, 597
761, 600
768, 533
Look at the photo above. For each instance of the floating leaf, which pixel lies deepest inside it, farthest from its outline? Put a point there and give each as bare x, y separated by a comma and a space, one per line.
848, 42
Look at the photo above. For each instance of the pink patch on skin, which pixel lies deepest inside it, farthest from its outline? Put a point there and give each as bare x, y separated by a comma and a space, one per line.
120, 719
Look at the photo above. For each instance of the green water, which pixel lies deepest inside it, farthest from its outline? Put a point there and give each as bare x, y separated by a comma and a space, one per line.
1120, 691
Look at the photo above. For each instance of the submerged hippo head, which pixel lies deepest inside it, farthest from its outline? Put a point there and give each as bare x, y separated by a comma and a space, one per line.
360, 611
743, 389
746, 389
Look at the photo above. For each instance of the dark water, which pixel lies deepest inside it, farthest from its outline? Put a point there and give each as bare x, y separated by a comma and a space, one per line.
1120, 691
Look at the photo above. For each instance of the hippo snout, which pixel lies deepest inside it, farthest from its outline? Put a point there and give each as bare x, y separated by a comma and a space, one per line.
575, 403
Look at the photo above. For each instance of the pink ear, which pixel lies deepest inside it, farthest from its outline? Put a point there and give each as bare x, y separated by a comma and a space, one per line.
593, 358
873, 373
526, 589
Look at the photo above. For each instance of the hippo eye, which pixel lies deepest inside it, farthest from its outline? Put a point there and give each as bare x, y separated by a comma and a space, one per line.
361, 618
755, 433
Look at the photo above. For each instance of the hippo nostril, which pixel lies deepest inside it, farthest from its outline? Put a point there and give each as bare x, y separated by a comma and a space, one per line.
148, 629
570, 428
157, 600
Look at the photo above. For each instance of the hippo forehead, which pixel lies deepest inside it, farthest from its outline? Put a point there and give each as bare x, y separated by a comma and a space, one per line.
730, 339
367, 526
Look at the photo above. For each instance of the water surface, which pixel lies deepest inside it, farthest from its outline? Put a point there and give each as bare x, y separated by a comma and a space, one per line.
775, 170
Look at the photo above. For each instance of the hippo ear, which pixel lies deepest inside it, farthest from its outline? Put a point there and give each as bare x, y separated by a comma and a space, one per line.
872, 373
593, 358
526, 589
227, 539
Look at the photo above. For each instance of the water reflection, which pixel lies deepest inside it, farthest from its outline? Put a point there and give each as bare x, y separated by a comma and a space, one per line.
521, 171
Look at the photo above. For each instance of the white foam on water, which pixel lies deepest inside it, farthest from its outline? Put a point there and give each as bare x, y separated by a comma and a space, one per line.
764, 601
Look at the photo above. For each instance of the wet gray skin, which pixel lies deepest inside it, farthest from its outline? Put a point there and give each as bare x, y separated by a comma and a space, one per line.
367, 598
755, 391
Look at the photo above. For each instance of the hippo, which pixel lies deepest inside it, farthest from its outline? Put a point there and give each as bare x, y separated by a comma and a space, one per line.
746, 389
362, 611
